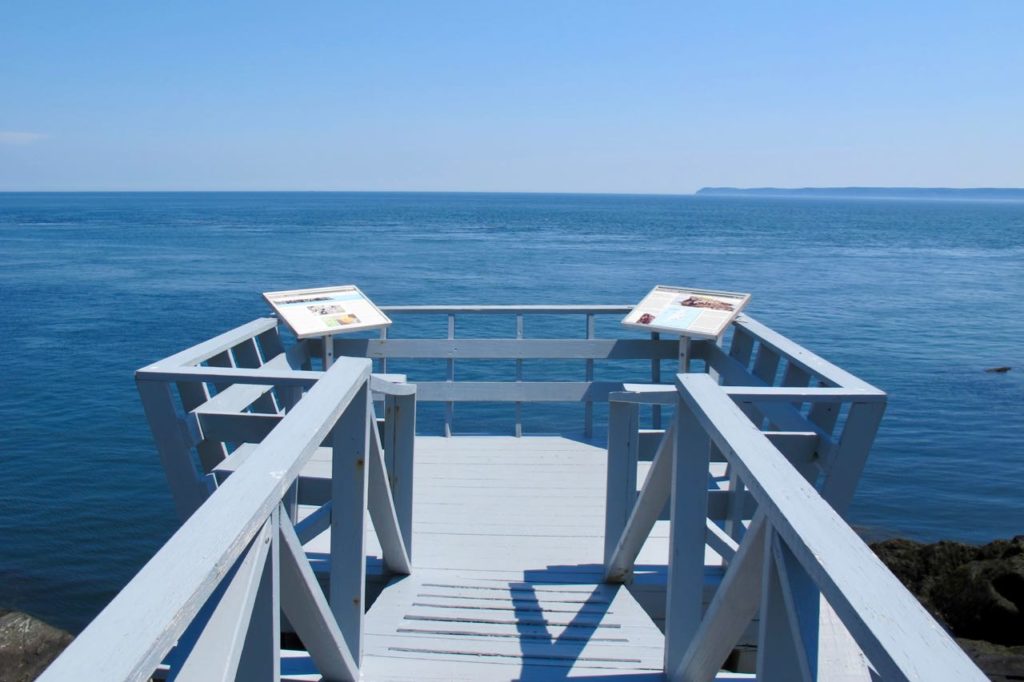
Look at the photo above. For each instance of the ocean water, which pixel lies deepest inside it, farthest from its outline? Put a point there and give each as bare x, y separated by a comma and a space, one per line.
917, 297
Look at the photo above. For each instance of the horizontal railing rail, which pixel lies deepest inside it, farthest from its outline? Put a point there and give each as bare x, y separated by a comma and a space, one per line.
510, 349
570, 309
214, 591
517, 389
801, 361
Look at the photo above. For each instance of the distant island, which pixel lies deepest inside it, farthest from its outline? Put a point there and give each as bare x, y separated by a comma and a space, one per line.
977, 193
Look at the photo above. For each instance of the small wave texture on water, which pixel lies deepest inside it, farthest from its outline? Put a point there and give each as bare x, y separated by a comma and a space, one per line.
916, 297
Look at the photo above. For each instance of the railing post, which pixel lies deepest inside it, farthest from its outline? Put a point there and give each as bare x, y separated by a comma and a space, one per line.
655, 379
685, 351
351, 441
519, 377
689, 507
188, 489
588, 408
261, 653
787, 643
848, 459
449, 409
399, 444
623, 451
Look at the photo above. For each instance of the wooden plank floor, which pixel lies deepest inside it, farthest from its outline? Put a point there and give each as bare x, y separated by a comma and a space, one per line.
442, 625
507, 549
508, 541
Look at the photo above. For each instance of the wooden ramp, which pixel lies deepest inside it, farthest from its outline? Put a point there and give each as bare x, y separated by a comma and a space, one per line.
506, 584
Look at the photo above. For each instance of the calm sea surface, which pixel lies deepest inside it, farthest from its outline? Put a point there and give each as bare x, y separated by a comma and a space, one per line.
917, 297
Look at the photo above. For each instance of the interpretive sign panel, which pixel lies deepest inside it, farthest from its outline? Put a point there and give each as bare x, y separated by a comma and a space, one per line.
695, 313
326, 311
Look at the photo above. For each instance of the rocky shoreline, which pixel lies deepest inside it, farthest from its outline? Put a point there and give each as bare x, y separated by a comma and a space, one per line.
27, 646
975, 592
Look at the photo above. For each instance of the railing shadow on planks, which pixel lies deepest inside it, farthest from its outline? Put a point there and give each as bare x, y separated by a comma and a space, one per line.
788, 431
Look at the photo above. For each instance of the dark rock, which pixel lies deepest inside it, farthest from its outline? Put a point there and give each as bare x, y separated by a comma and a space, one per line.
1000, 663
977, 593
999, 370
27, 646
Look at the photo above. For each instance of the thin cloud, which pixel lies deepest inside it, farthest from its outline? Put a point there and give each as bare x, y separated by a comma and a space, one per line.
17, 137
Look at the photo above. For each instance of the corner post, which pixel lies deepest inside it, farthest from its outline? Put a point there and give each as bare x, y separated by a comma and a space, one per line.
188, 488
689, 507
449, 408
399, 446
849, 459
351, 443
623, 451
588, 408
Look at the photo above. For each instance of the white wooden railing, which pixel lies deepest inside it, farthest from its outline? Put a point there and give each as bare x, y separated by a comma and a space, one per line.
823, 418
828, 607
237, 418
518, 389
208, 604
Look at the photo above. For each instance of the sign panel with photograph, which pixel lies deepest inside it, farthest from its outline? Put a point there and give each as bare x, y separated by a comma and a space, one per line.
696, 313
326, 311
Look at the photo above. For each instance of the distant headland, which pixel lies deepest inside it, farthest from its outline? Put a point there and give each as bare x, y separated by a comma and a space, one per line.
975, 193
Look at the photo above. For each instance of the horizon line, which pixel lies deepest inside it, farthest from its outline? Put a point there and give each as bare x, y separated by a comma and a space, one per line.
711, 190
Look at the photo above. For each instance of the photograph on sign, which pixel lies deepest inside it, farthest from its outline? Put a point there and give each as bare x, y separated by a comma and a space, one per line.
327, 310
695, 313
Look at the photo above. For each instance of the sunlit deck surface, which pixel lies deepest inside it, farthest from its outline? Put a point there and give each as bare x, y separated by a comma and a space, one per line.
508, 572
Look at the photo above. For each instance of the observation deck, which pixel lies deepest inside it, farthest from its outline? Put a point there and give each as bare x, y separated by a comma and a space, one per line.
683, 519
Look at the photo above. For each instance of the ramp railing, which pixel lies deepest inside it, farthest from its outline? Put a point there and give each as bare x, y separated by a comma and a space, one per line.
208, 605
822, 418
825, 602
799, 564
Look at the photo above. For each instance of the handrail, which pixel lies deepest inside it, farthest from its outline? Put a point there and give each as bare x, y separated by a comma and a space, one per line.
210, 568
801, 357
798, 561
218, 344
808, 549
587, 350
506, 309
385, 384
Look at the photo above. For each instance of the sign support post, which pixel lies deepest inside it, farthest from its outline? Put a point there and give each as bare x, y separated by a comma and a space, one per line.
684, 354
328, 352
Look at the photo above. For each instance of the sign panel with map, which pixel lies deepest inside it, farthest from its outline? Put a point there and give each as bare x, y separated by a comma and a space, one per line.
696, 313
326, 311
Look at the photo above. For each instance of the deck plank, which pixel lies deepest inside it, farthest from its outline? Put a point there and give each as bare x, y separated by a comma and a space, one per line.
507, 570
547, 630
506, 579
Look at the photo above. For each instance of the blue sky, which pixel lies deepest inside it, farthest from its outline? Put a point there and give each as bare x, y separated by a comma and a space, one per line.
661, 97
